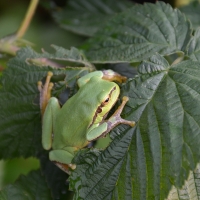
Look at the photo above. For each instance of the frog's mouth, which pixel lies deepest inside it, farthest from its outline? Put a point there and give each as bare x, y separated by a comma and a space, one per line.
111, 100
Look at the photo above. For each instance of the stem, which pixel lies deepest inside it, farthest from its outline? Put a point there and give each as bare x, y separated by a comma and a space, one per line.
32, 7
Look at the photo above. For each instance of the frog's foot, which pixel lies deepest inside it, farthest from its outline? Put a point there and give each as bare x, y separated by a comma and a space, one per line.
65, 167
110, 75
45, 92
116, 119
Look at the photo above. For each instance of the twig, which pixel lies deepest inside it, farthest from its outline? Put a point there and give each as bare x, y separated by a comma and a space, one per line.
26, 22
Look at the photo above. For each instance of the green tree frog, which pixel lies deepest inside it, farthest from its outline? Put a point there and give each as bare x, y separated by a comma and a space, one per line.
82, 118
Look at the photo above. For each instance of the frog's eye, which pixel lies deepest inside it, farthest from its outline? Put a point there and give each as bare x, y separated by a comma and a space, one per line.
106, 101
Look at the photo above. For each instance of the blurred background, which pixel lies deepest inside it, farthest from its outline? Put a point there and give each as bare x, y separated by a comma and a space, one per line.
41, 33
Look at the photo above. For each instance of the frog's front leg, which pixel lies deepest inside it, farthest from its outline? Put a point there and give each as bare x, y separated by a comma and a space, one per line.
45, 92
97, 131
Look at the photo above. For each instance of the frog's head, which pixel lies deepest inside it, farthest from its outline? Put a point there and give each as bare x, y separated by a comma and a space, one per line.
107, 97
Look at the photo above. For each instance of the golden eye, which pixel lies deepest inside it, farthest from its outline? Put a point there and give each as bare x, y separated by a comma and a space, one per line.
106, 101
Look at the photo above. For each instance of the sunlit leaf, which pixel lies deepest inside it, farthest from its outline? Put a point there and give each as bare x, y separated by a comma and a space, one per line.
191, 188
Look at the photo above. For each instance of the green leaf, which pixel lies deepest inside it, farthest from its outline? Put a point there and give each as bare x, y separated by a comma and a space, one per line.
138, 33
194, 46
30, 187
190, 190
85, 17
72, 55
146, 161
20, 118
192, 12
56, 178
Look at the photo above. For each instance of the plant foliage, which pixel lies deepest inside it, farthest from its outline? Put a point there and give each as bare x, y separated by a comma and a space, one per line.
86, 17
132, 38
27, 188
143, 162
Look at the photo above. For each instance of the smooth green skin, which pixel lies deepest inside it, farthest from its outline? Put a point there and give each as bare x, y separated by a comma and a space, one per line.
78, 122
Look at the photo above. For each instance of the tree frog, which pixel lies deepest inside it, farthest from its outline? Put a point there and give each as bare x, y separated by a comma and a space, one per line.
82, 118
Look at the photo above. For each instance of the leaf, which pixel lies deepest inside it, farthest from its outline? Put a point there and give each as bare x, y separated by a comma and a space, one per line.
20, 119
192, 12
33, 186
56, 178
72, 55
194, 46
99, 180
85, 17
190, 190
138, 33
146, 161
124, 69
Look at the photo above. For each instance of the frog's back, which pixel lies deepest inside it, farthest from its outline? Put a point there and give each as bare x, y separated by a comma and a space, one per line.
78, 113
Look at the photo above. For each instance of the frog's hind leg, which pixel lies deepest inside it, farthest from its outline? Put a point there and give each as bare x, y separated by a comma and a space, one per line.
49, 122
63, 167
62, 158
